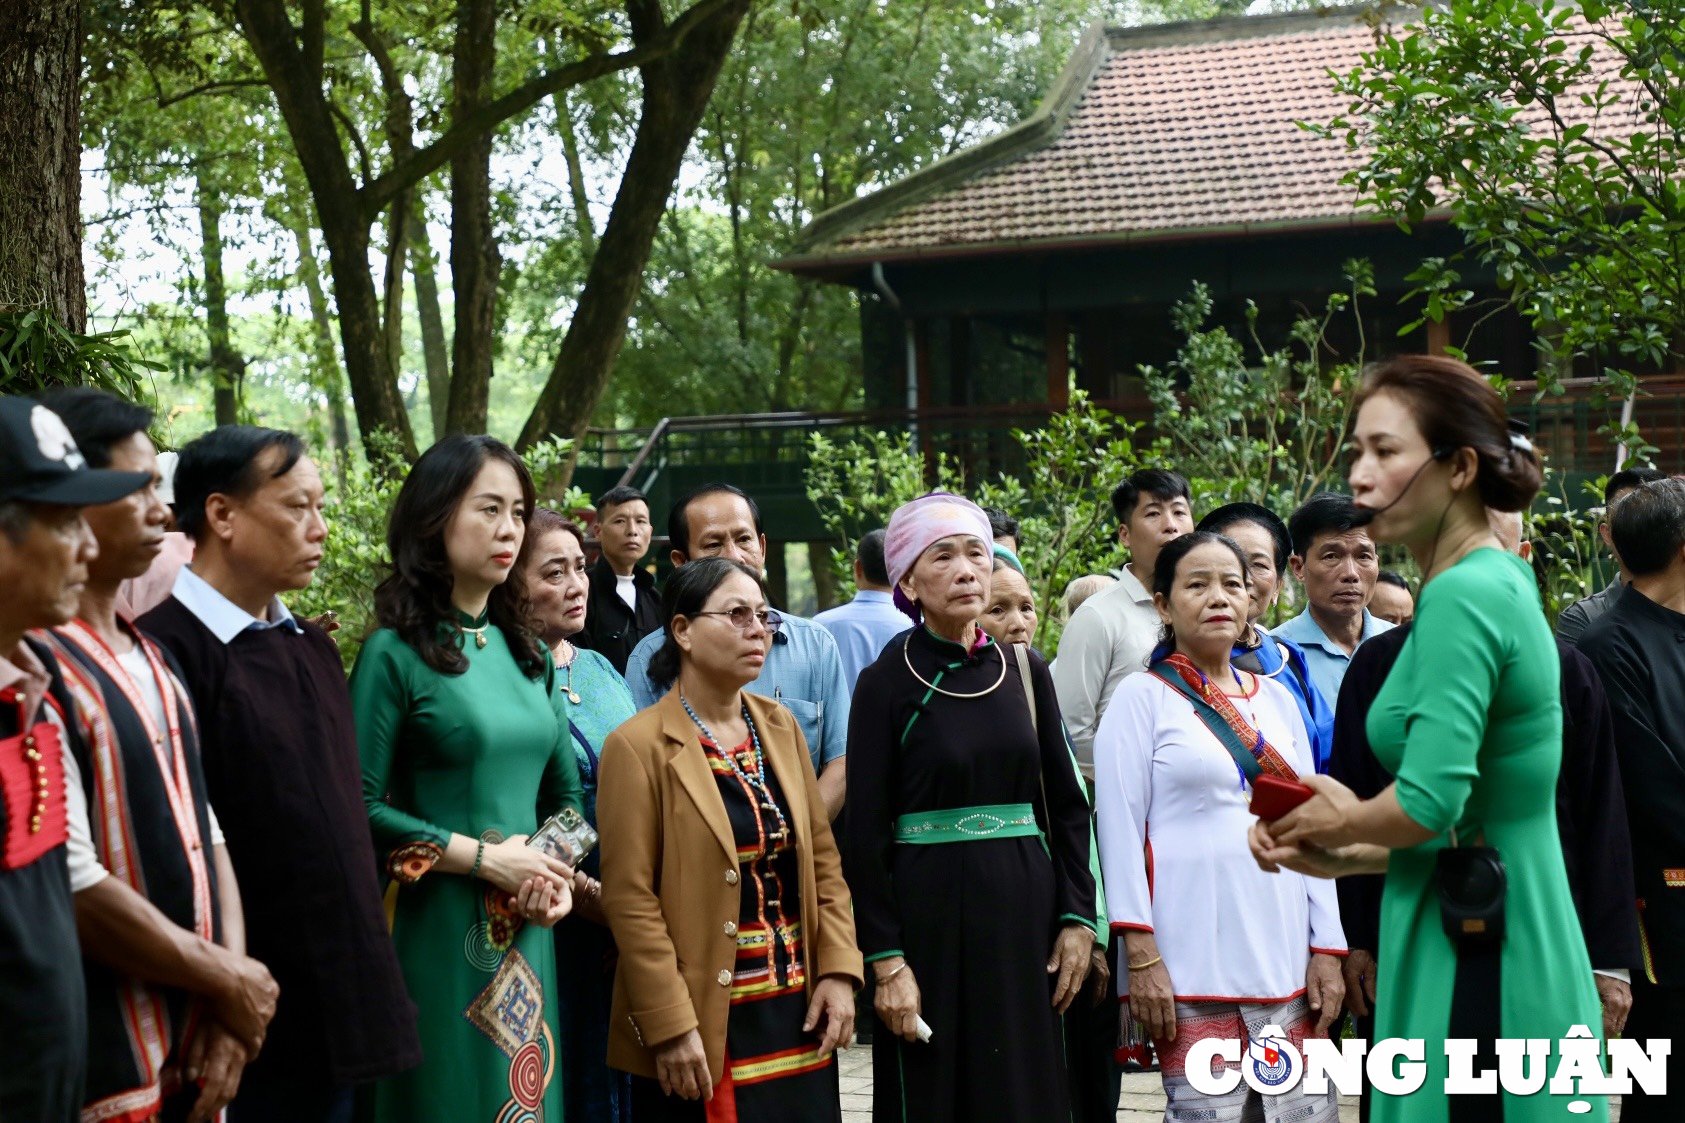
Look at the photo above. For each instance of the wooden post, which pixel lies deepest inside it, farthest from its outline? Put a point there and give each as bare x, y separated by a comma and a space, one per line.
1058, 360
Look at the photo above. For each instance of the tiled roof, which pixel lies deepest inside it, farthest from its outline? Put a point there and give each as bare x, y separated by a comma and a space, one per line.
1160, 134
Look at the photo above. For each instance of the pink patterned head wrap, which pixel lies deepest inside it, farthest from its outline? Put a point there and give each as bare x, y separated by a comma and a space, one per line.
916, 526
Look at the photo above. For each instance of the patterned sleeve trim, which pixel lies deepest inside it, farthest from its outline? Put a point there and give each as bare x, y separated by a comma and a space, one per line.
409, 862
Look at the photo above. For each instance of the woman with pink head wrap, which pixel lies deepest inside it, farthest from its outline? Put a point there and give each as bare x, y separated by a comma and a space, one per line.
966, 843
917, 526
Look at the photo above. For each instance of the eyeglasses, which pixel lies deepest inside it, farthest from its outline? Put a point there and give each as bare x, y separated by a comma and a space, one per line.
742, 614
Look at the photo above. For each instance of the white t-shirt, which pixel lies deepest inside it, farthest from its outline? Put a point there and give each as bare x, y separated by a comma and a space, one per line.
85, 868
627, 588
1109, 637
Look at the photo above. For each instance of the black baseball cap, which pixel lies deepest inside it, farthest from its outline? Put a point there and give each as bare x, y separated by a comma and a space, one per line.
40, 463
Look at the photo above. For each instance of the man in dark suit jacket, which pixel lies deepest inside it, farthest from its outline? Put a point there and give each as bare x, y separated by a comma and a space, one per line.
1638, 648
623, 606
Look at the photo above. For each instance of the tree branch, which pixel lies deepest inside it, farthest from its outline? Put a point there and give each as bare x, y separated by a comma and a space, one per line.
313, 37
424, 162
229, 86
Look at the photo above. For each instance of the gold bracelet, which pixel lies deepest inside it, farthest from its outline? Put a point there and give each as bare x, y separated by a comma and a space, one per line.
1147, 964
884, 979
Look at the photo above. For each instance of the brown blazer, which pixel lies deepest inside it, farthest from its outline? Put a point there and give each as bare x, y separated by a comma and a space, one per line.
671, 884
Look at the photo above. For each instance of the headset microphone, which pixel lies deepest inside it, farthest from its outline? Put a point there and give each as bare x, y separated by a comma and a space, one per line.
1366, 515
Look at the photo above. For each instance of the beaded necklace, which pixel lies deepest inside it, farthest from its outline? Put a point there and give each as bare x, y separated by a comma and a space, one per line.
756, 781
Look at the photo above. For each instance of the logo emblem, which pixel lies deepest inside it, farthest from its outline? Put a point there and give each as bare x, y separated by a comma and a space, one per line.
53, 439
1272, 1064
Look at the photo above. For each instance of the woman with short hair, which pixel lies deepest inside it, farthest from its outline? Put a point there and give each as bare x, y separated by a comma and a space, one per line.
591, 700
462, 759
1213, 947
722, 882
967, 844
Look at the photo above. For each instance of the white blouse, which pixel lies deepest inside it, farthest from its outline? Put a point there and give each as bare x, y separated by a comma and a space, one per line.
1172, 814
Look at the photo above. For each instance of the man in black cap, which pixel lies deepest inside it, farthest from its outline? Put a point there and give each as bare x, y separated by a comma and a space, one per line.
45, 548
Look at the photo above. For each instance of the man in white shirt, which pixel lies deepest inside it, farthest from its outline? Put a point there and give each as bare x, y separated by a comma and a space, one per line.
622, 606
1113, 633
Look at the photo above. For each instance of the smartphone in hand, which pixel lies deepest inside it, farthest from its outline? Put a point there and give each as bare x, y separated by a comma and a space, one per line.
1273, 797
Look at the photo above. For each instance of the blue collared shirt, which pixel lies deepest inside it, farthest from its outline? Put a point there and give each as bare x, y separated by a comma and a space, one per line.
861, 628
223, 617
1326, 660
803, 671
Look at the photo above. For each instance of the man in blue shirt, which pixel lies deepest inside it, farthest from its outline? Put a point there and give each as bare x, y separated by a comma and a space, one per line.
865, 624
803, 669
1335, 560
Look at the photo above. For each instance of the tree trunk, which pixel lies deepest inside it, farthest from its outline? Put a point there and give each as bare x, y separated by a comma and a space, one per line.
227, 367
397, 250
40, 158
474, 257
329, 378
434, 350
294, 74
777, 575
676, 89
826, 593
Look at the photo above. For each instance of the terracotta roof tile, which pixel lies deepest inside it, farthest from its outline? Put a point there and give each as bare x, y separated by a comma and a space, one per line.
1165, 137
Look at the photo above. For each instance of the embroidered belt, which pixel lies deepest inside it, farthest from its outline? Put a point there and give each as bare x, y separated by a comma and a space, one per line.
966, 824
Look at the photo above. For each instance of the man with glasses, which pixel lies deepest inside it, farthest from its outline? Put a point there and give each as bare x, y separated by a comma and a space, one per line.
803, 669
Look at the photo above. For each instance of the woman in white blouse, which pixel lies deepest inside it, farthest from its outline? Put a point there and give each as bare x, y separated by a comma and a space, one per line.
1215, 947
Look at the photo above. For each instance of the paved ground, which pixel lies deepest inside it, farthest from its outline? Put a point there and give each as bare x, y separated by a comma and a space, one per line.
1142, 1100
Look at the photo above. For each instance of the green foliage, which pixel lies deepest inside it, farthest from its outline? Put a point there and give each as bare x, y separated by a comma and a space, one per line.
354, 558
1552, 133
1062, 498
1246, 423
1568, 554
38, 352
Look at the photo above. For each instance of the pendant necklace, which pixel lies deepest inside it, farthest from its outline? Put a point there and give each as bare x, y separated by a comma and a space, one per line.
905, 654
573, 655
479, 633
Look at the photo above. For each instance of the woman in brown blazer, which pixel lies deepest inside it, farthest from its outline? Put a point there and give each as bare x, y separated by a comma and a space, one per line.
722, 883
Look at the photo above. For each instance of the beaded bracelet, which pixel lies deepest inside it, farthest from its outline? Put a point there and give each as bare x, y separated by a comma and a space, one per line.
479, 856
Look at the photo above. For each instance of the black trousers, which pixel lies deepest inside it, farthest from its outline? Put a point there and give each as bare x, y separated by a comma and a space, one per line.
1657, 1012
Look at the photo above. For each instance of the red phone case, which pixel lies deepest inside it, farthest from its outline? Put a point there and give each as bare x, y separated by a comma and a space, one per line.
1273, 797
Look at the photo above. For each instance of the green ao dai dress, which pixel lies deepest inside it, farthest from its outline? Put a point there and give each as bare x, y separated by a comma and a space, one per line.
479, 754
1470, 724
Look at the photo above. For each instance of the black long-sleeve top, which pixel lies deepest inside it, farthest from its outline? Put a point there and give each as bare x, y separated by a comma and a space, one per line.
912, 749
1590, 809
279, 747
1638, 649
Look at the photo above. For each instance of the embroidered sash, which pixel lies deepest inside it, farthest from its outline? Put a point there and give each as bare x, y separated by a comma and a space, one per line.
1252, 754
150, 829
